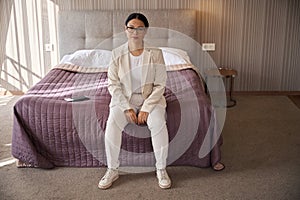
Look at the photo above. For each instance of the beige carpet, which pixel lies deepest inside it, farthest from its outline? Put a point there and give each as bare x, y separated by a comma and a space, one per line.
295, 99
261, 152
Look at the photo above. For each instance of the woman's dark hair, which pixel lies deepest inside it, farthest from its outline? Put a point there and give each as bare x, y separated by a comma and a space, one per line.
137, 16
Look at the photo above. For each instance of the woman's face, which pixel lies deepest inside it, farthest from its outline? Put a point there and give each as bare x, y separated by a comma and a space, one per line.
135, 30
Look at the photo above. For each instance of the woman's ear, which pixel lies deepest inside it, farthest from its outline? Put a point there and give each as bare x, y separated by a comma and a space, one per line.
125, 27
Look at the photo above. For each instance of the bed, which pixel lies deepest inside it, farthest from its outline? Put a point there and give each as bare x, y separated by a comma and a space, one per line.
49, 131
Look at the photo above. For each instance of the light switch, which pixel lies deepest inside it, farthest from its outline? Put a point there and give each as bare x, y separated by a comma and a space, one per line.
208, 47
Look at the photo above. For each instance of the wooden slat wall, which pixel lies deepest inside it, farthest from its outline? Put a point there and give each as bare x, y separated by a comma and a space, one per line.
259, 38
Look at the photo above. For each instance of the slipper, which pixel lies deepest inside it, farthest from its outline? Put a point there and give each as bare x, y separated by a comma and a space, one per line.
21, 164
218, 167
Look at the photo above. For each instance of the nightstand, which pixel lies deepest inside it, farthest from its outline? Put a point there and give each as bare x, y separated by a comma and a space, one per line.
225, 74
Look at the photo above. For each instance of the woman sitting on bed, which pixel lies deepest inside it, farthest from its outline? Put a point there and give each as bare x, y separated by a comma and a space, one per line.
136, 81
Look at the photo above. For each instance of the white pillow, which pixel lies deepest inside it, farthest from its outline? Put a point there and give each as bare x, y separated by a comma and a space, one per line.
174, 56
89, 58
101, 58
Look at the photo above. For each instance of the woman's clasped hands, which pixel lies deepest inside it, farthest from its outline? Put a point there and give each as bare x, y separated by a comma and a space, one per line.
140, 118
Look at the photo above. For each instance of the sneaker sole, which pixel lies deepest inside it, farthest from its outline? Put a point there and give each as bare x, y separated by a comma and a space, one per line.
108, 186
164, 186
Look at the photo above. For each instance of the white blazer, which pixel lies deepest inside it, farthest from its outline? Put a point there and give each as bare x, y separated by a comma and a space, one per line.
154, 78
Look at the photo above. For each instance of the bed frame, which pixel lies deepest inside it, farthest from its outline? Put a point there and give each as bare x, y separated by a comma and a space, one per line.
40, 143
92, 29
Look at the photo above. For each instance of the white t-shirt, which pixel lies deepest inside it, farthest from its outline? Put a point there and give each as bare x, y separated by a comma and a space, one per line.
136, 63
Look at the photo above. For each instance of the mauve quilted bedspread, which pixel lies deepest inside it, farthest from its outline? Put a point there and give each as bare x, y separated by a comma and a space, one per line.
49, 131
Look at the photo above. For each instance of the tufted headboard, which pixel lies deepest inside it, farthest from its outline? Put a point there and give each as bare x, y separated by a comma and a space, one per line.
105, 29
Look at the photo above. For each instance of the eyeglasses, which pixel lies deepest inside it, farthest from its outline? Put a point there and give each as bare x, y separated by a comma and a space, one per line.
138, 29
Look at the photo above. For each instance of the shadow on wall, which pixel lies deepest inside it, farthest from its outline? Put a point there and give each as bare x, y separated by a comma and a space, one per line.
26, 26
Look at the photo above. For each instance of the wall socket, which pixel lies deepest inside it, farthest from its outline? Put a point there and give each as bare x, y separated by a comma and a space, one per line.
49, 47
208, 47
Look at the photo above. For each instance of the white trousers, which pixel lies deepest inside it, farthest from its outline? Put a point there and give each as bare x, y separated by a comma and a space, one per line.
159, 134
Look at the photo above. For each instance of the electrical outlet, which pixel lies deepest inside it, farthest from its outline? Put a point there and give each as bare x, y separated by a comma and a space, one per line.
208, 47
48, 47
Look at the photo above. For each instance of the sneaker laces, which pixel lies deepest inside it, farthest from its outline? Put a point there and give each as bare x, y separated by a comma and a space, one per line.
107, 174
164, 175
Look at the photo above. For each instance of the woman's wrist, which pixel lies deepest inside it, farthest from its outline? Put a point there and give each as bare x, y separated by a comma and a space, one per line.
128, 110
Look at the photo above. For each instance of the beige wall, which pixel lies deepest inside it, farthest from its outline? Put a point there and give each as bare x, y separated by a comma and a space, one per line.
259, 38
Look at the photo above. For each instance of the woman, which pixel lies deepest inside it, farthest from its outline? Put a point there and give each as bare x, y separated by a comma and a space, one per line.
136, 81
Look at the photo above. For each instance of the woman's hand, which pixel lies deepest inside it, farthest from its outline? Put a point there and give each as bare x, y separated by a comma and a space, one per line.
142, 117
131, 116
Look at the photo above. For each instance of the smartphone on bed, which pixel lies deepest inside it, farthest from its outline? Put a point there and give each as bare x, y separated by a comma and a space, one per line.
79, 98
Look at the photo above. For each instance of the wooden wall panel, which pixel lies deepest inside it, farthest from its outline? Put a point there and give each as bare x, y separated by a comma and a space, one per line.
273, 45
291, 58
252, 45
258, 38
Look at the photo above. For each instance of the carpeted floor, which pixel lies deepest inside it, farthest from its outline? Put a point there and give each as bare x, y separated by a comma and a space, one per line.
295, 99
261, 152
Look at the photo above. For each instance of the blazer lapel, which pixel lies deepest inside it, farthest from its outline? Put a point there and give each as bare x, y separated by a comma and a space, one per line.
125, 65
145, 67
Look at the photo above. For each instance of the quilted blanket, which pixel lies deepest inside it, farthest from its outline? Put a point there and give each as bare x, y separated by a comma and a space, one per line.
49, 131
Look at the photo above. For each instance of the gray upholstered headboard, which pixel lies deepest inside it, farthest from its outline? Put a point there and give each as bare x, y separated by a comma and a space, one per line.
105, 29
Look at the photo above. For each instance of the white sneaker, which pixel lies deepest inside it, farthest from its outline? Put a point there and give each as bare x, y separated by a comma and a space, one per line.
107, 180
164, 180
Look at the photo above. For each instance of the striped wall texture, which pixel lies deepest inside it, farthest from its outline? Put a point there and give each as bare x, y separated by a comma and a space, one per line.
258, 38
